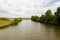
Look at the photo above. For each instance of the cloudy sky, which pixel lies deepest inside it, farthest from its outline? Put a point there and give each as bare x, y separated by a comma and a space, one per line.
26, 8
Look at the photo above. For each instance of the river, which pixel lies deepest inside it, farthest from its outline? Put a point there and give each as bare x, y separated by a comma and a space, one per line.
29, 30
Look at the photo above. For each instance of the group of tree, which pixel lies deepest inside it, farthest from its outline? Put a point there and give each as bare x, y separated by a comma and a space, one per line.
16, 21
35, 18
48, 17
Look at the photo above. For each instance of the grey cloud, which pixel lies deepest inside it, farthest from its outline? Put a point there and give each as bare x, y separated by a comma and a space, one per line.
3, 11
49, 4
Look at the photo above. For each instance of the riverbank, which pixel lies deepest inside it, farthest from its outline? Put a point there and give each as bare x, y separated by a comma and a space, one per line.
5, 22
48, 17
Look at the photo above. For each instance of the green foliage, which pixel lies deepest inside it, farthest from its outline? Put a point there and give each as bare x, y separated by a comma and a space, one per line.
48, 13
35, 18
57, 15
48, 17
42, 19
16, 21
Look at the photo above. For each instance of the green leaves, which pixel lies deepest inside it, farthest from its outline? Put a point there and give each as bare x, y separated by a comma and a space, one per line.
57, 15
16, 21
48, 13
35, 18
48, 17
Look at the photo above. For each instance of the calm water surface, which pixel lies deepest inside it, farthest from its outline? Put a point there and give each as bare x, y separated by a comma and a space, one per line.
29, 30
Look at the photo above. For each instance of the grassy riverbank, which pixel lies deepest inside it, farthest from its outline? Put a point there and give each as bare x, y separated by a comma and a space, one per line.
4, 22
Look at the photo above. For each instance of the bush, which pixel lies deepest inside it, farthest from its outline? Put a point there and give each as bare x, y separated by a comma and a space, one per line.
35, 18
16, 21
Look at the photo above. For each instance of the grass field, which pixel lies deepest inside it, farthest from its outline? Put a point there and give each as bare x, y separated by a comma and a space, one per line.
4, 23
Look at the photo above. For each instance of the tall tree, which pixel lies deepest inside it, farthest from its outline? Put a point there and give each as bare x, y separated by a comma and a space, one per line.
48, 13
48, 16
42, 19
57, 15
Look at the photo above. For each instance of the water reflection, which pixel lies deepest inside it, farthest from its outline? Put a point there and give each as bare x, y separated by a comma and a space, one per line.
29, 30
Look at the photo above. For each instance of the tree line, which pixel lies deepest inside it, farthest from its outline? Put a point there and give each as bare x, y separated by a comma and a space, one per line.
48, 17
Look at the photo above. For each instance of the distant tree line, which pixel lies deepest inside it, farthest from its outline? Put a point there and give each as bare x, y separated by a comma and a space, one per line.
48, 17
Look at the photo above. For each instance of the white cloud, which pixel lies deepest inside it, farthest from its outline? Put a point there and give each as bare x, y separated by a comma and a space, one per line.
26, 8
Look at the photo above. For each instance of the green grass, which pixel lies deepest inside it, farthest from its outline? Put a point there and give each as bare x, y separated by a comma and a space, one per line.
4, 23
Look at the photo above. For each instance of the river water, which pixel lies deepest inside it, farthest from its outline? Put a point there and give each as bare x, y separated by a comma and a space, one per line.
29, 30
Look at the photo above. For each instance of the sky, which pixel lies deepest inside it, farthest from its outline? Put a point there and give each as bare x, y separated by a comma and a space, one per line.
27, 8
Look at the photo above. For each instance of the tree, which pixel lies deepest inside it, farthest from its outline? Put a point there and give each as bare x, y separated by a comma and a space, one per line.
36, 18
42, 18
48, 16
16, 21
57, 15
33, 18
48, 13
